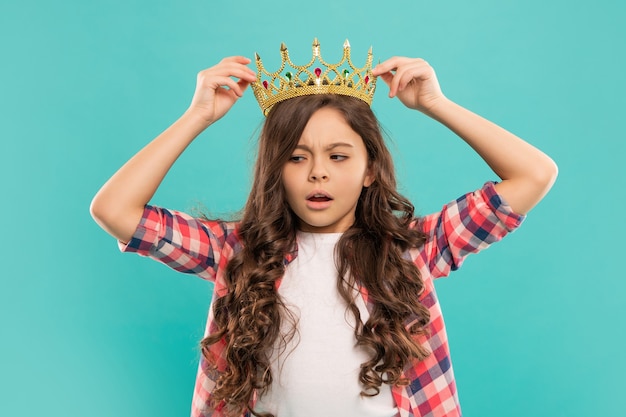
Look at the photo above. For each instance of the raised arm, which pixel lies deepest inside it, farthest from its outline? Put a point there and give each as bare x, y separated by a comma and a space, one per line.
118, 205
527, 173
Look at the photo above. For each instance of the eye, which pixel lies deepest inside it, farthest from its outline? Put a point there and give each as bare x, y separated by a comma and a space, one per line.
296, 158
336, 157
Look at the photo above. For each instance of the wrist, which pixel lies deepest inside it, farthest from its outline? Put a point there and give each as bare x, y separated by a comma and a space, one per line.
196, 118
438, 108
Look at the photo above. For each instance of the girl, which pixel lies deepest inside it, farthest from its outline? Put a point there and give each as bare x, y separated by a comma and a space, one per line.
324, 302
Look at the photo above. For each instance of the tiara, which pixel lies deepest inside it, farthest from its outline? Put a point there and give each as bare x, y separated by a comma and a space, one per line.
316, 77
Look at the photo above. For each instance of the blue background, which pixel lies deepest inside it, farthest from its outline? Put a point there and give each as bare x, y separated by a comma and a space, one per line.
535, 322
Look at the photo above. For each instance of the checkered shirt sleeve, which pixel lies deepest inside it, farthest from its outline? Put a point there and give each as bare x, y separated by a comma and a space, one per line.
467, 225
180, 241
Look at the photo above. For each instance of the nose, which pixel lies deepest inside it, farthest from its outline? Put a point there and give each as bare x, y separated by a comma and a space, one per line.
318, 171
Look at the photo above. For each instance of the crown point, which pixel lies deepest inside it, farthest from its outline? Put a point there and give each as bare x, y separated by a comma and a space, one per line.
257, 56
346, 44
316, 47
369, 52
283, 47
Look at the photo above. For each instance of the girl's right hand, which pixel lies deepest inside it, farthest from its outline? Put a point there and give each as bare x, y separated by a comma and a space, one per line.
217, 89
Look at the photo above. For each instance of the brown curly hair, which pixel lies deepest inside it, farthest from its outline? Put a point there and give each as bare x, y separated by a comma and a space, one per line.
369, 253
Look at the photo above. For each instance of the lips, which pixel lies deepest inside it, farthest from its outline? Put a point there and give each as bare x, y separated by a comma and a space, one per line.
319, 200
318, 196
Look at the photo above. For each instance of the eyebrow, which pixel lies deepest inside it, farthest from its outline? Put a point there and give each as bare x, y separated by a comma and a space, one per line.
328, 148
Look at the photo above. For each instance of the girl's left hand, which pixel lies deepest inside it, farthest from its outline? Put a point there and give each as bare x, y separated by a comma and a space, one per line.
412, 80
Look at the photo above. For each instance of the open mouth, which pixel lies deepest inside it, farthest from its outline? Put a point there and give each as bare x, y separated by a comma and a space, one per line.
319, 197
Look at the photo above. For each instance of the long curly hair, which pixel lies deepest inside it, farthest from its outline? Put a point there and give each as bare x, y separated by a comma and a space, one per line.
369, 255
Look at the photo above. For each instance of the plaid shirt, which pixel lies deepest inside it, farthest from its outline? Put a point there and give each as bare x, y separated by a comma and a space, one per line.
466, 225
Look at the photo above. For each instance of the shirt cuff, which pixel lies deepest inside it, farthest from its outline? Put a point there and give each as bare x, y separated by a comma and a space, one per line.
145, 237
501, 208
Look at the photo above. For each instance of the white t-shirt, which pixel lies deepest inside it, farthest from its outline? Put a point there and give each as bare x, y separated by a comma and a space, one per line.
318, 373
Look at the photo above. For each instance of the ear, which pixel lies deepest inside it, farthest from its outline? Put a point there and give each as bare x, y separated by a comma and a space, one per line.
369, 177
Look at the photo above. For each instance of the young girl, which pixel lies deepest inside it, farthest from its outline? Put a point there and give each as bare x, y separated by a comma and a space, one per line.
324, 303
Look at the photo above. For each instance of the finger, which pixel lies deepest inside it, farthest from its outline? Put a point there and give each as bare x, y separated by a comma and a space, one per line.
219, 82
387, 77
233, 70
389, 65
243, 84
241, 87
391, 80
241, 72
230, 94
212, 77
419, 70
395, 81
236, 66
406, 74
238, 59
397, 64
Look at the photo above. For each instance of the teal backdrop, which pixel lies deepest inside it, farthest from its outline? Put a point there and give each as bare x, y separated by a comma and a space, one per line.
535, 322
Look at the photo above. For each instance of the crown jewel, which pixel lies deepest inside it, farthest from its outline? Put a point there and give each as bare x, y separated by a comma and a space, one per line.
316, 77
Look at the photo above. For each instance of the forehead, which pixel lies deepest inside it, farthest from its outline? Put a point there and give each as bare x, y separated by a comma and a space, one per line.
328, 125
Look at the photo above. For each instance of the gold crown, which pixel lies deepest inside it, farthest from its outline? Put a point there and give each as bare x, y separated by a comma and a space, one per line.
316, 77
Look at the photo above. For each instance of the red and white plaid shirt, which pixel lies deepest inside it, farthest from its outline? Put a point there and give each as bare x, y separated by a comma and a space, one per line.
466, 225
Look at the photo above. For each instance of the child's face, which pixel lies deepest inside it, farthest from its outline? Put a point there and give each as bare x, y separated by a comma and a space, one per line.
326, 173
